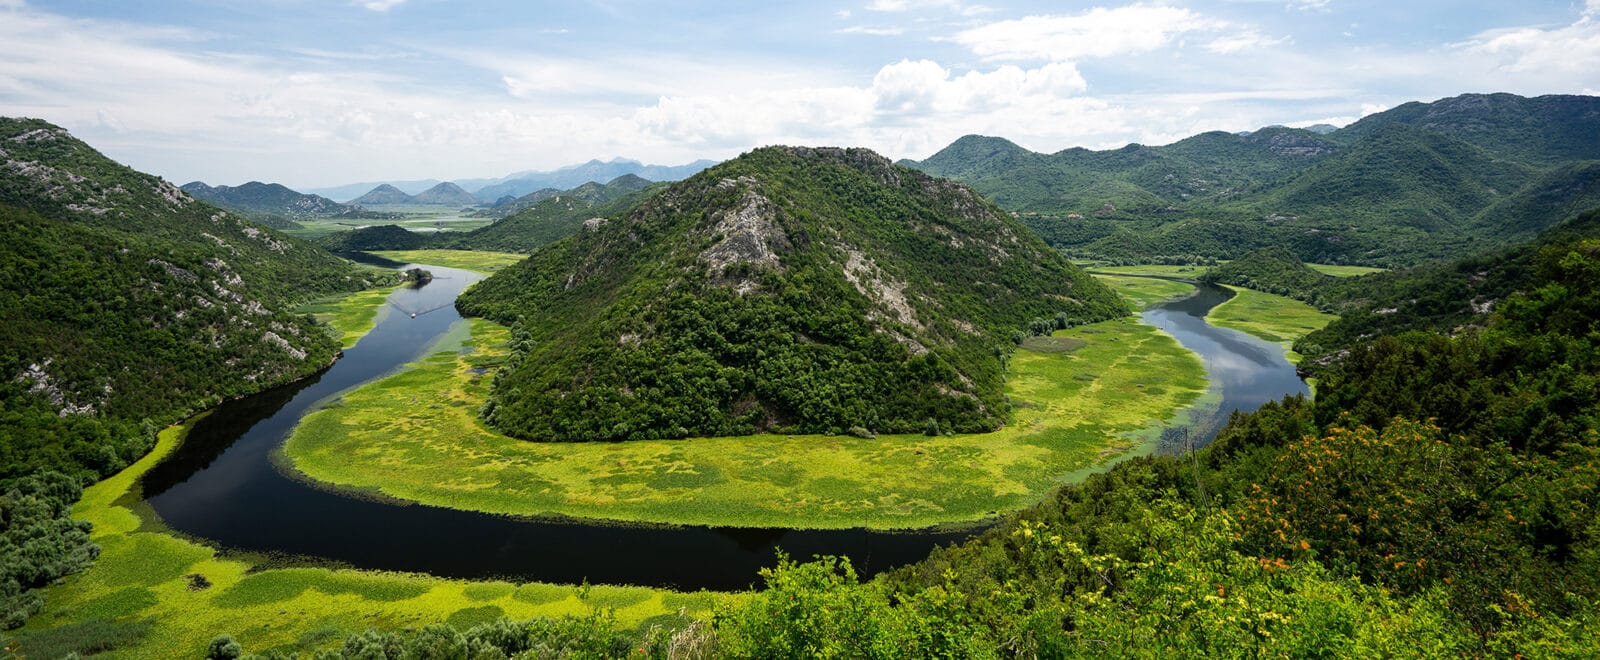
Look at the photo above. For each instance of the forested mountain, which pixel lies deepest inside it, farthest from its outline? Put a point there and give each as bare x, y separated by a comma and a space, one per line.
127, 300
554, 216
790, 289
267, 203
127, 305
1419, 182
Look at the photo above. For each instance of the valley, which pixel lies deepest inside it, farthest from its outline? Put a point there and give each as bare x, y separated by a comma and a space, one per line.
812, 402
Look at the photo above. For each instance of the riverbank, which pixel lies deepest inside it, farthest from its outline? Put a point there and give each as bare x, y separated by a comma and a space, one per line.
1271, 317
155, 594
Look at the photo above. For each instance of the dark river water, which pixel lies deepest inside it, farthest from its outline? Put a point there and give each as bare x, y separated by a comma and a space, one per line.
222, 486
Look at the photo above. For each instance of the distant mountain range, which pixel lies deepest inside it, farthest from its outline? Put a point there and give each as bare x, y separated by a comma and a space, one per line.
1419, 182
272, 200
518, 184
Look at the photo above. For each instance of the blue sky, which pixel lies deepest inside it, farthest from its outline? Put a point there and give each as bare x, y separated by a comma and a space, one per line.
320, 93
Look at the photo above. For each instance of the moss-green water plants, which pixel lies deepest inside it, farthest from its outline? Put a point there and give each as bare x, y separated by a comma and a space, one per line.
483, 262
351, 316
154, 595
1273, 318
416, 436
1144, 291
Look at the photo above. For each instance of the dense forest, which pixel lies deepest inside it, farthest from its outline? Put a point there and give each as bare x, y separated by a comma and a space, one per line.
1416, 183
790, 289
127, 306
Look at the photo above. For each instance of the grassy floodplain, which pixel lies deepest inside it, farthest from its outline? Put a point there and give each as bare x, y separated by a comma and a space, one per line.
1343, 271
483, 262
1271, 317
165, 596
416, 436
351, 316
1144, 291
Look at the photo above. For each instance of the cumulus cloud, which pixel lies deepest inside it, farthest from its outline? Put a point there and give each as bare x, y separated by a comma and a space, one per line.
1099, 32
1573, 48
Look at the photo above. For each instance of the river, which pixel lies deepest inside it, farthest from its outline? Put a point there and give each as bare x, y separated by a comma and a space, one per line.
223, 486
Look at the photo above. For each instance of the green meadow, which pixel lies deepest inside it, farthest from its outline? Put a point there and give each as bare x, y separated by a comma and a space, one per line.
1343, 271
1144, 291
351, 316
1080, 402
483, 262
155, 594
1270, 317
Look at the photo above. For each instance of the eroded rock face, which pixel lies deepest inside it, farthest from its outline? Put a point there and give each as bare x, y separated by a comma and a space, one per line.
750, 231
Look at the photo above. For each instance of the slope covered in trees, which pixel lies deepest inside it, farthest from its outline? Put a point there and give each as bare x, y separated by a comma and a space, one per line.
271, 204
790, 289
1419, 182
555, 216
127, 305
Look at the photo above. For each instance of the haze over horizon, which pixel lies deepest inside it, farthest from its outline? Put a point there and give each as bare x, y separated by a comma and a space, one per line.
315, 94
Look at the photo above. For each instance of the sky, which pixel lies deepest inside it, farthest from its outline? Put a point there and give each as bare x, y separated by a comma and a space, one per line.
319, 93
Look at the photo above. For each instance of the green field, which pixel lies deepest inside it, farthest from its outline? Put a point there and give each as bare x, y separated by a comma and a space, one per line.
1270, 317
483, 262
165, 596
352, 315
1143, 291
420, 219
416, 436
1149, 269
1343, 271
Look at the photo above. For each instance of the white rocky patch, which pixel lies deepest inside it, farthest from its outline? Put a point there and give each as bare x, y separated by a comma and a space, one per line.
888, 292
273, 338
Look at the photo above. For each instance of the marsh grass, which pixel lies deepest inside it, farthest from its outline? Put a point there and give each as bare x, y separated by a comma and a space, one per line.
351, 316
483, 262
1144, 291
421, 427
1271, 317
138, 598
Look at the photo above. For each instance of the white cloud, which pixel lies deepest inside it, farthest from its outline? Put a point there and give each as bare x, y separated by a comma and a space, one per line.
1099, 32
1310, 5
869, 30
956, 6
380, 5
1243, 41
1573, 48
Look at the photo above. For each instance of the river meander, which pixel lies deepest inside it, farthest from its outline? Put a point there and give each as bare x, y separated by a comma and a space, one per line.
224, 486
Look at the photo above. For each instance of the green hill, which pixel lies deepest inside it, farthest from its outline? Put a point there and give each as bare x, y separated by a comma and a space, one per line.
1419, 182
790, 289
270, 204
555, 216
127, 301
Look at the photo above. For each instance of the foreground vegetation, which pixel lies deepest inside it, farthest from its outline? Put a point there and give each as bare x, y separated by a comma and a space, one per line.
1083, 397
154, 594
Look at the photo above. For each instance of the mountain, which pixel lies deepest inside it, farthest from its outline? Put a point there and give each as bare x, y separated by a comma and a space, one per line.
445, 194
382, 195
129, 305
554, 216
791, 289
378, 237
1415, 183
353, 190
266, 199
594, 171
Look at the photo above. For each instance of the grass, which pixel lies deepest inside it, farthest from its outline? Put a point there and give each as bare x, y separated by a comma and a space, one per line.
138, 597
1343, 271
1270, 317
1144, 291
1151, 269
353, 315
416, 436
483, 262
